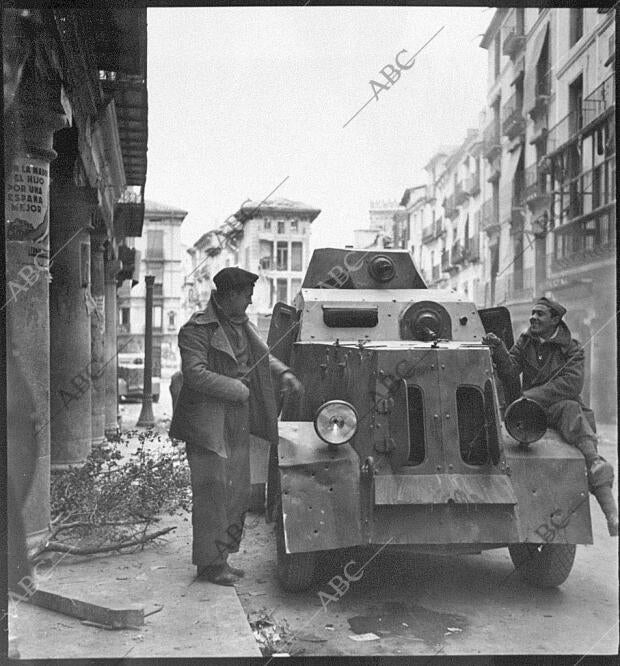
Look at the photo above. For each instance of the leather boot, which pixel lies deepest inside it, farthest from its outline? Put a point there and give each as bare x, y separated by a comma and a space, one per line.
216, 574
600, 478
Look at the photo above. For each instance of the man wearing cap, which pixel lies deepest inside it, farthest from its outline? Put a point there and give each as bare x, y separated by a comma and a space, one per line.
226, 394
551, 362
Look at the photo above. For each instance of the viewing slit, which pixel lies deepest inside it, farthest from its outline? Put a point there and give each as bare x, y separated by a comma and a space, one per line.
415, 407
472, 425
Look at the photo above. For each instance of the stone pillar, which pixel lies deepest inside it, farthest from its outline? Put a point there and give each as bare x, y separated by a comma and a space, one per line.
97, 346
28, 153
111, 269
71, 307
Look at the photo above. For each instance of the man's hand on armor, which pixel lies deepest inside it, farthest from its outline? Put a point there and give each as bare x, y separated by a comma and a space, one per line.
289, 384
492, 341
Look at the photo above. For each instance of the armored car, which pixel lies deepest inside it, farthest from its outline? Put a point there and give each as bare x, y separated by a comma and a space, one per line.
404, 437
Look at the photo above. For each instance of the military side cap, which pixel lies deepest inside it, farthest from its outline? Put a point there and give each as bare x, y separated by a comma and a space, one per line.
556, 309
233, 278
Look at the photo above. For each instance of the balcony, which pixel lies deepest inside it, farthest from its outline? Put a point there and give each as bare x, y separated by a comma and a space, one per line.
449, 205
564, 131
461, 195
491, 143
589, 239
427, 234
129, 212
495, 168
472, 184
490, 217
601, 100
438, 228
590, 190
445, 261
542, 93
513, 122
513, 38
458, 253
535, 187
472, 249
435, 275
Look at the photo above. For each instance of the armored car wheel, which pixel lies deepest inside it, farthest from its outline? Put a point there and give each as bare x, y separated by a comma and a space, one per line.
543, 565
295, 570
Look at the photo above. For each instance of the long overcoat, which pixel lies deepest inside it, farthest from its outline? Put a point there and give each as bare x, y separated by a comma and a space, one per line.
558, 377
210, 384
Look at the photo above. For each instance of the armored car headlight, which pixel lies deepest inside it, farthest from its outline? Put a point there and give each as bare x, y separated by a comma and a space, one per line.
335, 422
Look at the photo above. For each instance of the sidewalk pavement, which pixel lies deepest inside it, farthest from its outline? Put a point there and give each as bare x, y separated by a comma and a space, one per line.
190, 618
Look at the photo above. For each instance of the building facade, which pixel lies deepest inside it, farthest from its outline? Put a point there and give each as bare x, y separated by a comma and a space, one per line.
379, 233
549, 150
75, 141
270, 238
160, 253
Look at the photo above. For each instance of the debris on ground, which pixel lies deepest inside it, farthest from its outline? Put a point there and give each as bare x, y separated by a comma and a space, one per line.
364, 637
271, 635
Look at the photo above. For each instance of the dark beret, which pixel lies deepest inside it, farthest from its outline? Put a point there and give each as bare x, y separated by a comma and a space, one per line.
233, 278
556, 309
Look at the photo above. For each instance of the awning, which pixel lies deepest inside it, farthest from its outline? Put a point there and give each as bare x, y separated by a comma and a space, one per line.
505, 193
531, 59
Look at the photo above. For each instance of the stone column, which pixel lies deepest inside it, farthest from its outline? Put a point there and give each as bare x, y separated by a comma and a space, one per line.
97, 328
71, 307
28, 153
111, 269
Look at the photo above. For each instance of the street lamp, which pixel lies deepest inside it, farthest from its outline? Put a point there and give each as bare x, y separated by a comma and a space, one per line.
146, 419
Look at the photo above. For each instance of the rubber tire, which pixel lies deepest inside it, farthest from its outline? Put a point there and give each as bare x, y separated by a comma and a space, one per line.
295, 571
257, 498
543, 565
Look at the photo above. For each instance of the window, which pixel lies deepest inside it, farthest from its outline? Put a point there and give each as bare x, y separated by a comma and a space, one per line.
126, 318
294, 225
281, 227
171, 319
295, 287
296, 256
281, 291
267, 225
576, 25
575, 104
154, 244
282, 256
470, 411
517, 278
157, 315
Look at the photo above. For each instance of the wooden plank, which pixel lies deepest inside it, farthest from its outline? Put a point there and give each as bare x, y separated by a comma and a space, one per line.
114, 618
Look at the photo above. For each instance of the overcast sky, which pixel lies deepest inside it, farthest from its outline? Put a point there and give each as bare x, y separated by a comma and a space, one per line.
242, 98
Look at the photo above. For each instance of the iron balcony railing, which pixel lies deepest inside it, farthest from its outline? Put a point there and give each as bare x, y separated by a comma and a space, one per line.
449, 206
513, 122
438, 228
588, 191
491, 142
599, 100
460, 193
427, 233
445, 260
588, 239
472, 184
564, 131
458, 253
472, 248
489, 215
535, 183
513, 39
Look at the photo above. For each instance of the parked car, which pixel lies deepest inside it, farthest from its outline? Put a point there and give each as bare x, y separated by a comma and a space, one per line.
131, 377
399, 440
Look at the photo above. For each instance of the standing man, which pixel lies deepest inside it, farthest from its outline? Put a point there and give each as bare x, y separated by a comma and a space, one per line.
552, 364
227, 393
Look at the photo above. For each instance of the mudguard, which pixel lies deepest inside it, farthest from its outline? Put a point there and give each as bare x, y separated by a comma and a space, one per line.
320, 490
550, 481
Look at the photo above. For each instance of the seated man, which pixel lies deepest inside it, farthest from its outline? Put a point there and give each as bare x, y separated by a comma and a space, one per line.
552, 364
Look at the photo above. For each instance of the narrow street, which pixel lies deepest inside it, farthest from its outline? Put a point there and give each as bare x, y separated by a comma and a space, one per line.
421, 605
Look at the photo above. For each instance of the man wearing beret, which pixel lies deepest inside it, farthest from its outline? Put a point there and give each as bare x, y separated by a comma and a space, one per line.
226, 394
551, 363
